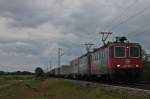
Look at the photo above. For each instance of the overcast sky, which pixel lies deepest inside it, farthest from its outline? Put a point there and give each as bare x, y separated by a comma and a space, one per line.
31, 31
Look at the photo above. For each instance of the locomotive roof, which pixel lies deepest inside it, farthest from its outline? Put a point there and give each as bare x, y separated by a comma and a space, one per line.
105, 46
113, 44
121, 43
84, 55
59, 67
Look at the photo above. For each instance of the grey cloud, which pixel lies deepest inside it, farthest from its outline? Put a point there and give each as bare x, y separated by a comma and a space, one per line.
37, 29
25, 13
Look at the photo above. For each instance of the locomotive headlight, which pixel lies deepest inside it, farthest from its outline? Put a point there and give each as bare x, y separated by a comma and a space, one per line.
136, 65
118, 65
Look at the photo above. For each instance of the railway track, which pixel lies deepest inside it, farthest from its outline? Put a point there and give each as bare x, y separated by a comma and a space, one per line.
134, 85
137, 89
140, 85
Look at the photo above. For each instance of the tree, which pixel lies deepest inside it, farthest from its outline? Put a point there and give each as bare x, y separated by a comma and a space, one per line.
145, 56
39, 72
146, 63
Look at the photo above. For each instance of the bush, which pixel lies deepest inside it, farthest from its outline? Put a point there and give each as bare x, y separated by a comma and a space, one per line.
39, 72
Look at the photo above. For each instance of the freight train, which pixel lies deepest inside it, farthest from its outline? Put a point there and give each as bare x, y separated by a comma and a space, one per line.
118, 60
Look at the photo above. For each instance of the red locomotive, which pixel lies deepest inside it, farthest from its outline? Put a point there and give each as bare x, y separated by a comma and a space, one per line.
119, 60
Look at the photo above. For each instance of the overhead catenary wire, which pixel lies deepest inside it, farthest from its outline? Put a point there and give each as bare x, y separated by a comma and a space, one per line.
121, 14
144, 30
131, 17
143, 27
128, 18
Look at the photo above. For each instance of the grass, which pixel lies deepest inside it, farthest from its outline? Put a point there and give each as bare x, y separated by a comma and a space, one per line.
57, 89
15, 77
10, 79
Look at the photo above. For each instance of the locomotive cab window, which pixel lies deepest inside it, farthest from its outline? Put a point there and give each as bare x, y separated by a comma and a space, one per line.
119, 51
134, 51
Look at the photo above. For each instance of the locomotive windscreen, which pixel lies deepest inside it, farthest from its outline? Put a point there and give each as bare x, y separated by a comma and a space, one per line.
134, 51
119, 51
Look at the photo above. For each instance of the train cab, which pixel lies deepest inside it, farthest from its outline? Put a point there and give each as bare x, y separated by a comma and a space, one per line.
125, 60
125, 55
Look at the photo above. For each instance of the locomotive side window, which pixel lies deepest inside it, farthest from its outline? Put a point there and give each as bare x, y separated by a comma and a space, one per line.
134, 51
119, 51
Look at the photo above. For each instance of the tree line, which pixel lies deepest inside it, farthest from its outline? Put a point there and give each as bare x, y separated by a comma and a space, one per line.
16, 73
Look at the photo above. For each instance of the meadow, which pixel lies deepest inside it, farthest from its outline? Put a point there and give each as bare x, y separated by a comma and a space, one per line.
26, 87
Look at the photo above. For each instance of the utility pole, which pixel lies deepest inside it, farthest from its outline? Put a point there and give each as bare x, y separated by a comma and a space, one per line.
47, 69
105, 36
59, 55
88, 46
59, 58
50, 65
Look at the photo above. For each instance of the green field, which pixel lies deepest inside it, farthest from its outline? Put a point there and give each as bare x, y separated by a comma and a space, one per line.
28, 88
10, 79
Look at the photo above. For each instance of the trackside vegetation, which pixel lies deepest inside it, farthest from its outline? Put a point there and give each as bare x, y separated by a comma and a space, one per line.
146, 72
52, 88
